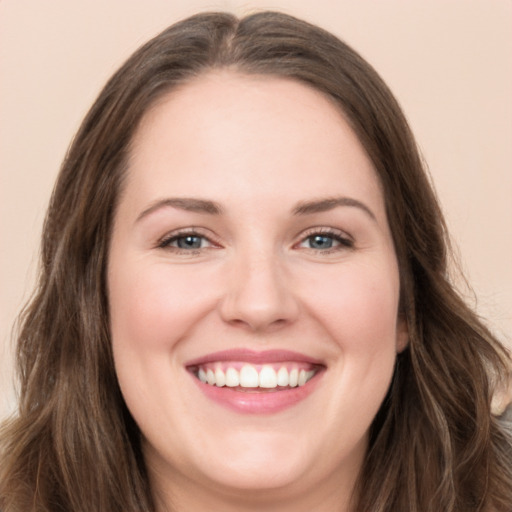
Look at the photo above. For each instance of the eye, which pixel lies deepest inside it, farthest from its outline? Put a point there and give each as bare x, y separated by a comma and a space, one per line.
321, 242
189, 242
326, 241
185, 242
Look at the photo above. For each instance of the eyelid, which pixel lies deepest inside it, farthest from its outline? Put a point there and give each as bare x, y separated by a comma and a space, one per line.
326, 230
345, 239
164, 241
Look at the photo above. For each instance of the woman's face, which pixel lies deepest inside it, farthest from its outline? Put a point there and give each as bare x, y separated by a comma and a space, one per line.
251, 250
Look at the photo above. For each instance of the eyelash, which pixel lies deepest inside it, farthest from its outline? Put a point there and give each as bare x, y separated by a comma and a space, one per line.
165, 243
345, 241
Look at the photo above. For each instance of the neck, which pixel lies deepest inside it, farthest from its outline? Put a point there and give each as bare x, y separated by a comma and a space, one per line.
177, 492
254, 501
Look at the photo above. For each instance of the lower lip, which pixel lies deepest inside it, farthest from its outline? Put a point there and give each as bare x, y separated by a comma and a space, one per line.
265, 402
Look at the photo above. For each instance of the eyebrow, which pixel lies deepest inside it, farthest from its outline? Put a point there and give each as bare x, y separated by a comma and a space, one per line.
191, 204
327, 204
188, 204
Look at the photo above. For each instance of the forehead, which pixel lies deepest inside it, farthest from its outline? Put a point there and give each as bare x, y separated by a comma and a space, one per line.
237, 135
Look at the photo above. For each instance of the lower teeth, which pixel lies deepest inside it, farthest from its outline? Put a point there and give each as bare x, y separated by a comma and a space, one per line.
258, 390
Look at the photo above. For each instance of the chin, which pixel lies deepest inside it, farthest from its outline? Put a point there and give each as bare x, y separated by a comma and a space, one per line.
261, 460
255, 477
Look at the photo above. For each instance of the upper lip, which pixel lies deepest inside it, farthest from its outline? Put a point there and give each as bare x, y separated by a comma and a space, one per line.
254, 357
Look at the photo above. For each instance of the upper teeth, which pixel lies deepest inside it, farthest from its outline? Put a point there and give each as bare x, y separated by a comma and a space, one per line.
250, 377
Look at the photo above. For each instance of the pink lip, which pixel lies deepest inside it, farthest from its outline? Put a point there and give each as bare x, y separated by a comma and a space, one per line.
255, 402
250, 356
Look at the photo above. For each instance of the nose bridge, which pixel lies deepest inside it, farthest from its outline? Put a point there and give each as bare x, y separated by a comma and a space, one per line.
258, 294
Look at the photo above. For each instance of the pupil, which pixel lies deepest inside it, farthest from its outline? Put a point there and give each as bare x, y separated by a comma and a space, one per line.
321, 242
189, 242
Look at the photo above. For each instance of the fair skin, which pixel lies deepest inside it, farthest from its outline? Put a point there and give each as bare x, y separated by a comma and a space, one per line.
285, 246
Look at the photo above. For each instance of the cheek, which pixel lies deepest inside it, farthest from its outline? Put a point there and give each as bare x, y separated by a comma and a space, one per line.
362, 320
154, 307
359, 307
363, 325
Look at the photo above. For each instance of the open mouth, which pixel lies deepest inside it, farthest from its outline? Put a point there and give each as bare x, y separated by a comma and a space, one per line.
251, 382
246, 377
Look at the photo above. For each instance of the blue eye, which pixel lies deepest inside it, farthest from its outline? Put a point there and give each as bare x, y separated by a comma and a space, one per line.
326, 242
189, 242
321, 242
185, 242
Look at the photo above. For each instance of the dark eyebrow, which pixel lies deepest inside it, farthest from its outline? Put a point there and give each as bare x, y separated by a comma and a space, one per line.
189, 204
329, 203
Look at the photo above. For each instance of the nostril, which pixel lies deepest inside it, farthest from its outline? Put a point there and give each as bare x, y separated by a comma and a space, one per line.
258, 294
257, 324
259, 305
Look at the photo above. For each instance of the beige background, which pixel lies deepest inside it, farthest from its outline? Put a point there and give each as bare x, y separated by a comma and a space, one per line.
449, 62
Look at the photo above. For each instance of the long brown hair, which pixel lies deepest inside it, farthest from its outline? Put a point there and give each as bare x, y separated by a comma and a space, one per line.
73, 446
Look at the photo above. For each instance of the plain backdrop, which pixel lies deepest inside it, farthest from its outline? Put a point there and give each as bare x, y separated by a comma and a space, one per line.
449, 62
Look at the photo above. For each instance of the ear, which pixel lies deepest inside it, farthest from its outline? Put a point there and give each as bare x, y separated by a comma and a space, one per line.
402, 333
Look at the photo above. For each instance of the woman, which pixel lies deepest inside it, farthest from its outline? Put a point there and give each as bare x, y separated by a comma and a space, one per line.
243, 301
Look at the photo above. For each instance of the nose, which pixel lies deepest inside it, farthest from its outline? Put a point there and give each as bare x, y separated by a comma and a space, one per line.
259, 295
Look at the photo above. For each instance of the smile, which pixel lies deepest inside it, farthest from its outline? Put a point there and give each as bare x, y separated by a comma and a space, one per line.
249, 376
256, 382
